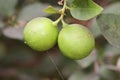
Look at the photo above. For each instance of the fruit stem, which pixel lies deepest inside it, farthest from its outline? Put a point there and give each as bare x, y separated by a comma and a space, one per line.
62, 11
64, 23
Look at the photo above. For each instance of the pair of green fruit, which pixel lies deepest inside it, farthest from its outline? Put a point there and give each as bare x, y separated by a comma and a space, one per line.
74, 40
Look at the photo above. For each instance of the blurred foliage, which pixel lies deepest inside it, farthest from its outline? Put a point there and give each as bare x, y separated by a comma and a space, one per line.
19, 62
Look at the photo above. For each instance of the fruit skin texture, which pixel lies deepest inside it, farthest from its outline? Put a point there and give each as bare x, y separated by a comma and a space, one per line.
75, 41
40, 34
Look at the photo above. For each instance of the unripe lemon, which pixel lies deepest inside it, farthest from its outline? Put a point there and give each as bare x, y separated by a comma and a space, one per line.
40, 34
75, 41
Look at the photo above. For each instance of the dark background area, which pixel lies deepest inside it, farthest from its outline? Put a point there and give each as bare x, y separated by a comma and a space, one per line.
19, 62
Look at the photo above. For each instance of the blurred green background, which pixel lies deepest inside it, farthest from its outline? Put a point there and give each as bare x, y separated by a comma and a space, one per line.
19, 62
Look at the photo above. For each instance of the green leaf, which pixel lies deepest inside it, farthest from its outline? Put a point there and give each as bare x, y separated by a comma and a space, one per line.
110, 27
51, 10
109, 24
111, 51
79, 75
95, 28
106, 74
113, 8
13, 32
32, 11
7, 7
84, 9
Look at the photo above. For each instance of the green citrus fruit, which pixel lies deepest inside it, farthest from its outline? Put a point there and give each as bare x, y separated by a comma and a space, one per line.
40, 34
75, 41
